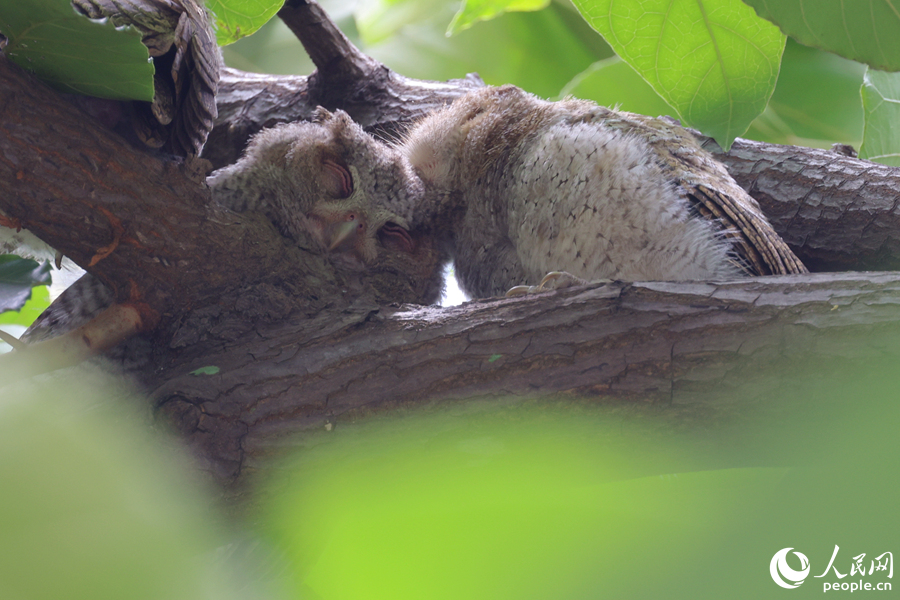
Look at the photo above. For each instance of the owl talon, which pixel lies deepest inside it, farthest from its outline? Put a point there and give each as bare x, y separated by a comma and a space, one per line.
558, 280
554, 280
520, 290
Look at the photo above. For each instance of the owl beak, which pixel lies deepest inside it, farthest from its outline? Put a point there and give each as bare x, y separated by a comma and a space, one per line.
342, 234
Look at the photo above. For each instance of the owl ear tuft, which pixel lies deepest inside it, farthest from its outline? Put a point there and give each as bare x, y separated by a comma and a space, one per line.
321, 115
336, 177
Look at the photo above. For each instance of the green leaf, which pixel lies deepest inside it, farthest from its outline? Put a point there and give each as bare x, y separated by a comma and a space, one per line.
473, 11
613, 83
75, 54
210, 370
17, 277
512, 503
236, 19
31, 310
881, 102
797, 114
865, 31
714, 61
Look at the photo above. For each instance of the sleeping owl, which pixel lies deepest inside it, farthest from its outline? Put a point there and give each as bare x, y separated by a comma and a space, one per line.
518, 187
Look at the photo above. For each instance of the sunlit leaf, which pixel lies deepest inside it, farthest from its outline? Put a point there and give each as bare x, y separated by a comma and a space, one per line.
473, 11
863, 30
236, 19
17, 277
881, 101
31, 310
715, 61
795, 115
75, 54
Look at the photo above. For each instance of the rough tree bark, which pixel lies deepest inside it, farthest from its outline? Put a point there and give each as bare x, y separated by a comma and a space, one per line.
297, 346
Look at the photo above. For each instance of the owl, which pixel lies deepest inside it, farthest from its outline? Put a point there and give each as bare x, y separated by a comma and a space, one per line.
517, 187
325, 185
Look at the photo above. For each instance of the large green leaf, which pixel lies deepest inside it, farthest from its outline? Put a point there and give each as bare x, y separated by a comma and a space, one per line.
714, 61
864, 30
473, 11
795, 115
75, 54
503, 504
881, 100
816, 102
236, 19
17, 277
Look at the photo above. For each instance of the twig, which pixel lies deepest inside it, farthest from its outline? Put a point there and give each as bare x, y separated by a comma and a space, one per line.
114, 325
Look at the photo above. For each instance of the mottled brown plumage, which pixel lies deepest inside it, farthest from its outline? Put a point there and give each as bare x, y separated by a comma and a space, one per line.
326, 185
520, 186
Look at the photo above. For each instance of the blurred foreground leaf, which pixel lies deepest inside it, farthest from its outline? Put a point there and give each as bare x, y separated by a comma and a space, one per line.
94, 505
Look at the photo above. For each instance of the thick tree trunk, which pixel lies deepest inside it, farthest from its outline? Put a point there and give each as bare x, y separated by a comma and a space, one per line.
296, 347
672, 344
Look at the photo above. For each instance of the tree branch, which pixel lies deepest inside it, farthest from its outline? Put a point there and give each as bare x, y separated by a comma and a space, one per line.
670, 344
108, 329
294, 349
836, 212
143, 224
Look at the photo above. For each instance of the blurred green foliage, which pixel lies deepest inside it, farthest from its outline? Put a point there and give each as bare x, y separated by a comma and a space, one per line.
473, 11
561, 499
94, 505
553, 53
539, 51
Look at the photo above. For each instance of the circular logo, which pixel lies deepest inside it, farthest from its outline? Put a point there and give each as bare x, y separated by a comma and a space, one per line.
785, 576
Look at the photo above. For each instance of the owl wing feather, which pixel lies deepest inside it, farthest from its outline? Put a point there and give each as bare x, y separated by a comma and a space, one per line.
713, 194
